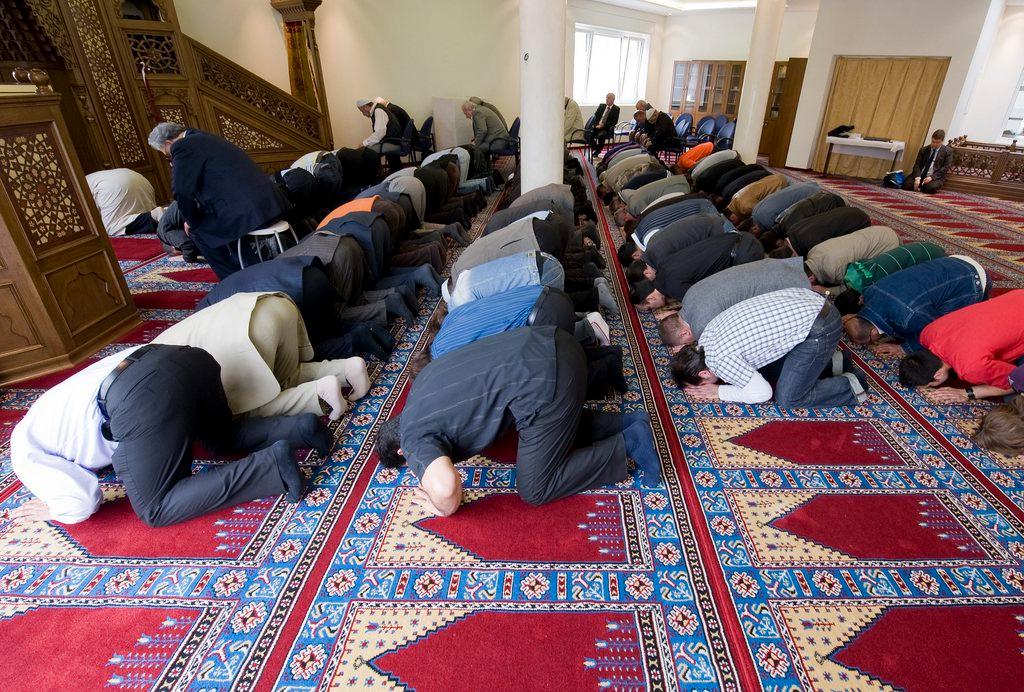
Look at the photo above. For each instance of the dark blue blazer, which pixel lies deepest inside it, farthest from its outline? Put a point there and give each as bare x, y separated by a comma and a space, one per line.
220, 191
283, 274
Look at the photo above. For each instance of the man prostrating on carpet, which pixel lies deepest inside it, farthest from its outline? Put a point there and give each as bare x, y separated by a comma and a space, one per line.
534, 378
141, 410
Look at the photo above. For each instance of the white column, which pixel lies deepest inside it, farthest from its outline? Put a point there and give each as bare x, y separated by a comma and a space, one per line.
757, 78
542, 88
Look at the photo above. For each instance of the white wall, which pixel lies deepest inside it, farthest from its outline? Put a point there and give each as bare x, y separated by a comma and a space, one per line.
411, 51
613, 17
724, 35
993, 94
249, 32
935, 28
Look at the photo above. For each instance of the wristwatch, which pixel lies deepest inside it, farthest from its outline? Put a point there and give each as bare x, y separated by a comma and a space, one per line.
970, 393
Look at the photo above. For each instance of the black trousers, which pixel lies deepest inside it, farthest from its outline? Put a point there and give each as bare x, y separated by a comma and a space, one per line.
928, 188
566, 449
158, 407
222, 259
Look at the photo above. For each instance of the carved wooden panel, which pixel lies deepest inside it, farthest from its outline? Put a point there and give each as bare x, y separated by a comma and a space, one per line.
113, 99
156, 50
36, 177
226, 77
17, 334
22, 40
86, 291
51, 23
173, 114
245, 136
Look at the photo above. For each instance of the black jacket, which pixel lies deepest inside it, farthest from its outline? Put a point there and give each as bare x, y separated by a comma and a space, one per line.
613, 116
943, 157
660, 129
220, 191
817, 229
728, 177
680, 271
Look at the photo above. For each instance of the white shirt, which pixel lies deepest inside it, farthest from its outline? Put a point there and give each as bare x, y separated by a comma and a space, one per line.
379, 118
307, 162
57, 447
121, 194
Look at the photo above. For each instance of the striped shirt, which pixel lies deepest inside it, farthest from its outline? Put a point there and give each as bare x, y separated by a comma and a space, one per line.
481, 318
861, 274
656, 220
758, 331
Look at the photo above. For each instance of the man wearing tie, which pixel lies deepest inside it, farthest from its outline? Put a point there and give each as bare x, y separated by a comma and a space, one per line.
606, 117
931, 166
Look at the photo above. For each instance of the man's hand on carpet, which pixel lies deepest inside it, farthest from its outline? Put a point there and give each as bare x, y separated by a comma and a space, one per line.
35, 510
705, 392
887, 350
420, 498
946, 395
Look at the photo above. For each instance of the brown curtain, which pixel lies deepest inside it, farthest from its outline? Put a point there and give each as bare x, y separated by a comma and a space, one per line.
882, 97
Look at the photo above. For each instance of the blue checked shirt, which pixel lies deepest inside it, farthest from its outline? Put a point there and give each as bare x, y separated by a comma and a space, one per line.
758, 331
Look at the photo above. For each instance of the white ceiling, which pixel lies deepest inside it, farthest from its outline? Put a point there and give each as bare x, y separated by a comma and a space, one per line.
667, 7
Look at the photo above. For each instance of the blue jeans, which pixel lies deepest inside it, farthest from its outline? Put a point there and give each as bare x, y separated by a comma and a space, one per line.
798, 385
506, 273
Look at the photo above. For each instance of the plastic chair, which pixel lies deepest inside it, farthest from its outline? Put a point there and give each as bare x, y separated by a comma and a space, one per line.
720, 121
703, 133
511, 147
424, 142
276, 230
724, 138
405, 143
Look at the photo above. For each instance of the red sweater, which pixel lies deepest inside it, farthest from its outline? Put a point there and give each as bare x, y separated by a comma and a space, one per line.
981, 341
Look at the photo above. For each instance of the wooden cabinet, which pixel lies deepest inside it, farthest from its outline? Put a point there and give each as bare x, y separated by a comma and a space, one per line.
62, 294
703, 87
780, 111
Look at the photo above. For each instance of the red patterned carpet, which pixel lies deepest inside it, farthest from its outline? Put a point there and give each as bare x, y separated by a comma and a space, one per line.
867, 548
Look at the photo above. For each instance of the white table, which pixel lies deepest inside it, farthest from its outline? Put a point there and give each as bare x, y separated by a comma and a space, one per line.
855, 146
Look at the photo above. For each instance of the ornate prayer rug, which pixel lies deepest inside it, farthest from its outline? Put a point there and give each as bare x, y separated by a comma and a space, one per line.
873, 547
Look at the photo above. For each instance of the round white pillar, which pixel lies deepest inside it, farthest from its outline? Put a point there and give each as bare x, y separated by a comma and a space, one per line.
757, 78
542, 89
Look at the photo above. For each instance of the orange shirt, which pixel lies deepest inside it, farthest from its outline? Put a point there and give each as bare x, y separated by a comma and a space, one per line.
363, 204
692, 156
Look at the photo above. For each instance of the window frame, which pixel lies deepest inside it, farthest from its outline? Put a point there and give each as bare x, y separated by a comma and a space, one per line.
1017, 91
609, 32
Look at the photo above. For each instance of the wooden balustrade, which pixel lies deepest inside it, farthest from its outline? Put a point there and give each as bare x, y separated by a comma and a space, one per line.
987, 169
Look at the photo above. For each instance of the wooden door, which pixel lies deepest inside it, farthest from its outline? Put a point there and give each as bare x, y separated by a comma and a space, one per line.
882, 97
780, 112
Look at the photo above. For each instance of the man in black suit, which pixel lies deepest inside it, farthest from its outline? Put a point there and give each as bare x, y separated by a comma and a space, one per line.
931, 166
653, 129
606, 117
221, 193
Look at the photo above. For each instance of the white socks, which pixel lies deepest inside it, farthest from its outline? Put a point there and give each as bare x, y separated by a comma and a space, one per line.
329, 390
356, 377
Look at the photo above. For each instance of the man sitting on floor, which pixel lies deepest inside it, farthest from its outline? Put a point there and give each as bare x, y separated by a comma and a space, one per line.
980, 344
796, 326
125, 199
931, 166
903, 304
533, 378
682, 270
710, 297
141, 410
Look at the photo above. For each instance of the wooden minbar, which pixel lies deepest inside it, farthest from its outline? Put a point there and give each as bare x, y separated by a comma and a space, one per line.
62, 293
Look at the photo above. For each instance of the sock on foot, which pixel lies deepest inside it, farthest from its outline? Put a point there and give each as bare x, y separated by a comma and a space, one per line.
329, 390
396, 306
605, 297
356, 377
291, 475
313, 433
636, 430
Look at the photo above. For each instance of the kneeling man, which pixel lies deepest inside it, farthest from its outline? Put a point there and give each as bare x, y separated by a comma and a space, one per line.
141, 410
795, 325
534, 378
